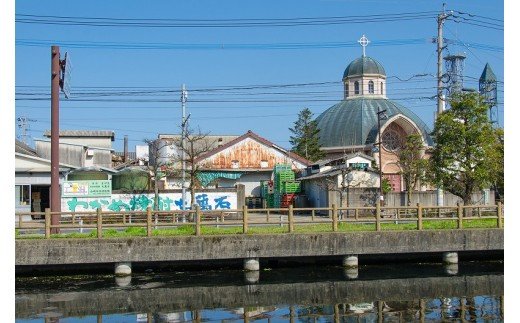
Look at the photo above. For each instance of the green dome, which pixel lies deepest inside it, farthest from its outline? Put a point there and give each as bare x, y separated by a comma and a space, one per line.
364, 65
353, 122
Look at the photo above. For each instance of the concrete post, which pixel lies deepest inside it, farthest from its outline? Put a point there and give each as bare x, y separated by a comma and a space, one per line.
350, 261
378, 215
251, 264
291, 219
99, 223
451, 269
148, 221
351, 273
123, 268
252, 277
123, 281
244, 216
419, 216
334, 218
450, 258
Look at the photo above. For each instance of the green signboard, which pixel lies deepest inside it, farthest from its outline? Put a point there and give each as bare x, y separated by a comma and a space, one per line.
86, 188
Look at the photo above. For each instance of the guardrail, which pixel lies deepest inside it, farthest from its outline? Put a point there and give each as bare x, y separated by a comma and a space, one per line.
378, 218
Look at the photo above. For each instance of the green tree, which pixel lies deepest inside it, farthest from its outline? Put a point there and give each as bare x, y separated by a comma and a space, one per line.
306, 135
465, 156
413, 165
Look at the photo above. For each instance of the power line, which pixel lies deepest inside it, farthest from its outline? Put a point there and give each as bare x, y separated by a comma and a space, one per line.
217, 23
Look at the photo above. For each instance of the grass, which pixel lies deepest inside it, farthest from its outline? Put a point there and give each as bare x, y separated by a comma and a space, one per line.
187, 230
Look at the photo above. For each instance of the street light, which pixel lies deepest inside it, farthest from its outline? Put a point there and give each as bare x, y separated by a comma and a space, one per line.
380, 115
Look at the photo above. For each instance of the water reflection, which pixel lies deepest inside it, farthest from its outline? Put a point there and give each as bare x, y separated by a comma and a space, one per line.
419, 293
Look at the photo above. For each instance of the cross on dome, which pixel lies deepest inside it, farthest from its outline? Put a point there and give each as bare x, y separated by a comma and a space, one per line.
363, 41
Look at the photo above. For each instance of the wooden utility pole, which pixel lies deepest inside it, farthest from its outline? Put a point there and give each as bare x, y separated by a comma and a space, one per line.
55, 136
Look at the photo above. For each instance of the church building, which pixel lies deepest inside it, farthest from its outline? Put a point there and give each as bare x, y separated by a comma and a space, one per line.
367, 116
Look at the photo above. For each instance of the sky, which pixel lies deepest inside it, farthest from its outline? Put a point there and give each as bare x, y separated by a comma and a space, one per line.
242, 72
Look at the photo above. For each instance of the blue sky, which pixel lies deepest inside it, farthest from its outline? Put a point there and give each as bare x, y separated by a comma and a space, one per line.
210, 59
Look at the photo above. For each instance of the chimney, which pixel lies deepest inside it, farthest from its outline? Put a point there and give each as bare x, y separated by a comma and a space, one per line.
126, 149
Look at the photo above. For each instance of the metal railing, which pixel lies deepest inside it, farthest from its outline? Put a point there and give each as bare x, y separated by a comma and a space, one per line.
248, 221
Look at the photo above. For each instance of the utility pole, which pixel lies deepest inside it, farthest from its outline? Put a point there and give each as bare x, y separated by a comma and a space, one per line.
380, 115
23, 124
55, 135
184, 98
440, 44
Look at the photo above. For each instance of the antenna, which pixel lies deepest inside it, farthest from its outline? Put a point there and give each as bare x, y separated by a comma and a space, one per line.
23, 124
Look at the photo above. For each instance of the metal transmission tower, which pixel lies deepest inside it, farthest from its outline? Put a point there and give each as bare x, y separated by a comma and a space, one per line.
487, 86
454, 72
443, 16
23, 124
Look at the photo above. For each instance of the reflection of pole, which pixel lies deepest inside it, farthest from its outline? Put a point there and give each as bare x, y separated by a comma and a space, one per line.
55, 136
422, 313
336, 313
379, 311
184, 98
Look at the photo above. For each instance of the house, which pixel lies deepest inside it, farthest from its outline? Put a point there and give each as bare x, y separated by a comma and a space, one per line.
332, 181
248, 160
81, 148
84, 156
232, 160
33, 179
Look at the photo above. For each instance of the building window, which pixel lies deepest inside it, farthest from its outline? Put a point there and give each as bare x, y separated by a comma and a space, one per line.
391, 140
371, 87
356, 87
264, 164
346, 90
23, 195
381, 88
235, 164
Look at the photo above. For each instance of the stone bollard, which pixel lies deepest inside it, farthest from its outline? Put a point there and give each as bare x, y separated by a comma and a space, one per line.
251, 264
350, 261
450, 258
123, 268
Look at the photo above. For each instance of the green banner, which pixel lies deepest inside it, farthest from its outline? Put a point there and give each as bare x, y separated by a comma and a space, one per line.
86, 188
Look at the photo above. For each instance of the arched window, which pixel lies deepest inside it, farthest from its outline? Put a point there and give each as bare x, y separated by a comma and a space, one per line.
382, 88
346, 90
356, 87
371, 87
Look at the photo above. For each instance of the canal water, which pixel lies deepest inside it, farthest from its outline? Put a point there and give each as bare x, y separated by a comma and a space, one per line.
469, 291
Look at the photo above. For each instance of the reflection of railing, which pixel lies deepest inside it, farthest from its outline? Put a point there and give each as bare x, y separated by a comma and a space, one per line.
265, 220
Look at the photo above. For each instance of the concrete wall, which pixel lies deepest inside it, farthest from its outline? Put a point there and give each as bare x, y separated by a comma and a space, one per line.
187, 248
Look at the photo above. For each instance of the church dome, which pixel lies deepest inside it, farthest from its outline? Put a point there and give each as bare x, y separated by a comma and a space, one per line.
364, 65
353, 122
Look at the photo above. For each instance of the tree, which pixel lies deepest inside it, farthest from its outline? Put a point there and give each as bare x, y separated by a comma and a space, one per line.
413, 165
306, 135
196, 144
160, 164
465, 156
